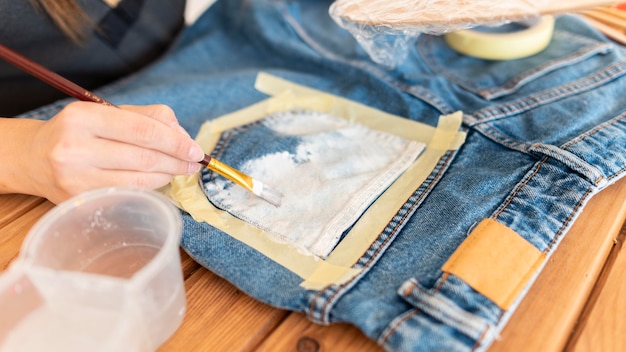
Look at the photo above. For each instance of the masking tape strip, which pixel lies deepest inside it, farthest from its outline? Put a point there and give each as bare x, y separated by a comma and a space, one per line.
378, 215
190, 197
495, 261
348, 109
337, 268
503, 46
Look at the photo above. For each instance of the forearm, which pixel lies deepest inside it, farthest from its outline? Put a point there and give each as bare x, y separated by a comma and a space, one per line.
16, 141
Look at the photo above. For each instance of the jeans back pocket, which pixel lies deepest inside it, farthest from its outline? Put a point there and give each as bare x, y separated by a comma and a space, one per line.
328, 169
567, 55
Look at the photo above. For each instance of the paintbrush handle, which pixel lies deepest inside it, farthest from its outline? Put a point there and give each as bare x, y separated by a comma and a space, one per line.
59, 82
68, 87
206, 160
266, 193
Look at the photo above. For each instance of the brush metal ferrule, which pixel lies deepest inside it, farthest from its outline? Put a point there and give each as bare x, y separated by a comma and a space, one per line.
234, 175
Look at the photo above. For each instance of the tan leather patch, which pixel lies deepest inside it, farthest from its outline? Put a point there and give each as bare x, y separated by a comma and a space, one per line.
495, 261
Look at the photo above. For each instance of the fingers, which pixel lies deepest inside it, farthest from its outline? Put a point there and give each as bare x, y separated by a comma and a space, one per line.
133, 158
158, 112
88, 146
153, 127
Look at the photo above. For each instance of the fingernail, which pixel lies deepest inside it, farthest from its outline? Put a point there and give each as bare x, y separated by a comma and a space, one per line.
193, 168
195, 152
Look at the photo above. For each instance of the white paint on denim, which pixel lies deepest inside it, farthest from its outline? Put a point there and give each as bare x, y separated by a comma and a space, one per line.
337, 170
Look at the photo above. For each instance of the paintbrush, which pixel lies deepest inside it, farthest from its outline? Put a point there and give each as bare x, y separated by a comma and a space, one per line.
70, 88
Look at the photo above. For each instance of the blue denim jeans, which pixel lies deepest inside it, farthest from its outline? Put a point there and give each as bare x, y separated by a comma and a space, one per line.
544, 134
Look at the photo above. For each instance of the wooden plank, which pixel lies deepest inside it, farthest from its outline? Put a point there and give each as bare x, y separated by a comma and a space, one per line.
13, 233
549, 312
219, 317
13, 206
189, 265
297, 333
603, 329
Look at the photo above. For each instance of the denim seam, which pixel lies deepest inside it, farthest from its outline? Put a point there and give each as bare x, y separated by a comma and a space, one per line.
522, 184
595, 130
481, 338
493, 134
395, 324
340, 290
572, 161
458, 322
414, 311
478, 341
518, 188
370, 69
498, 137
319, 308
442, 280
427, 96
548, 96
617, 173
398, 222
496, 324
425, 48
567, 221
574, 58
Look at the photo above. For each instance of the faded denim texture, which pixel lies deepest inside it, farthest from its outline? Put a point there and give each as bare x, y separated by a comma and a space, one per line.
328, 169
544, 134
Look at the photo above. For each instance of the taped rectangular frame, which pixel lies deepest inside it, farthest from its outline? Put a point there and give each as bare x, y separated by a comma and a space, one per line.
337, 268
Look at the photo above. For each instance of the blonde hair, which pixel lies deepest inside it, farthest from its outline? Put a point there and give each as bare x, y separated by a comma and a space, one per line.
67, 15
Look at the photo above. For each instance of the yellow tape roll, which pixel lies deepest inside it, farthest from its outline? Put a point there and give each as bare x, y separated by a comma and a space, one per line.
503, 46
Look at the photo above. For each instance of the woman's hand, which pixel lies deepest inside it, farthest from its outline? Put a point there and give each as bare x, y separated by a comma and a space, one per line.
88, 145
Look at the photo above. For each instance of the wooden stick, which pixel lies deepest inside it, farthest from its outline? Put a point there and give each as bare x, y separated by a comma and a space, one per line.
613, 11
607, 19
611, 32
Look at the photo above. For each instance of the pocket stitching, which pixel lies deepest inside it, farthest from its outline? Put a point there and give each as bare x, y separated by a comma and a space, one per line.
515, 83
320, 306
590, 48
549, 95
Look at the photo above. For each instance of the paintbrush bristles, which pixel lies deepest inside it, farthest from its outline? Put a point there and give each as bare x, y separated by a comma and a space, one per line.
267, 193
256, 187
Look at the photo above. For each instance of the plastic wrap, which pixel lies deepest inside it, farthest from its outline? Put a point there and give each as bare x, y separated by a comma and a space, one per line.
386, 28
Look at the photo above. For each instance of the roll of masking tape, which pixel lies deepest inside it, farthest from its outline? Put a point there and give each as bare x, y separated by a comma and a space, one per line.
503, 46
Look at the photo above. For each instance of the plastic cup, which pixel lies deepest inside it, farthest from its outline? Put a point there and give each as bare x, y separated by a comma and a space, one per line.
99, 272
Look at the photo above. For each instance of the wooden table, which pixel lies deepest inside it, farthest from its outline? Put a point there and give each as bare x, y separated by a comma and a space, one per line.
576, 304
